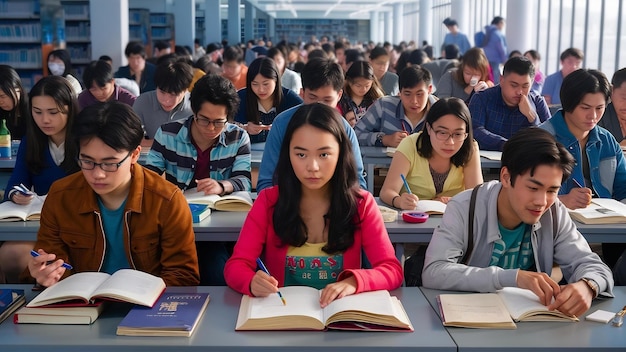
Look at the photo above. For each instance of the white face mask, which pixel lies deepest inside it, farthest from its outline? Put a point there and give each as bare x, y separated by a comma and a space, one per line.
56, 69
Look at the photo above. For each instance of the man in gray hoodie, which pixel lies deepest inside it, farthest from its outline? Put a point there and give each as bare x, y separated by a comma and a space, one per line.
519, 231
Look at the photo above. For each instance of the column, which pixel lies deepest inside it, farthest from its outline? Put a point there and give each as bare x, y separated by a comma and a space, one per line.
212, 22
519, 29
460, 12
374, 28
388, 27
234, 22
398, 28
185, 22
271, 29
250, 14
425, 22
109, 30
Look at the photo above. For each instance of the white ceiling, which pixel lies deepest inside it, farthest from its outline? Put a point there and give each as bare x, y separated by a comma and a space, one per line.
332, 9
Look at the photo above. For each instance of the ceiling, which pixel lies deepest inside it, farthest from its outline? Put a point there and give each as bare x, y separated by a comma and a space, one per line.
319, 9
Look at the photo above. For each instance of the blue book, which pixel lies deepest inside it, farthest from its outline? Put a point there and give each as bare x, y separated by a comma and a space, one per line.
10, 301
176, 313
199, 212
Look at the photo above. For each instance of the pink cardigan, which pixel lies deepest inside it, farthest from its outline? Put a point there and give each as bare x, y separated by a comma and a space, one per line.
258, 239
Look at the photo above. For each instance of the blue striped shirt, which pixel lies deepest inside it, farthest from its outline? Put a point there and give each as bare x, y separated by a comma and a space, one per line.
173, 153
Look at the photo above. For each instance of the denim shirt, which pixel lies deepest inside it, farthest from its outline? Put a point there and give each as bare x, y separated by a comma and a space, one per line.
607, 167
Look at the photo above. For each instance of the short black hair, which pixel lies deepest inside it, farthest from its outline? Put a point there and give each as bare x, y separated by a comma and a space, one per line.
321, 72
233, 53
115, 123
135, 48
173, 77
497, 20
99, 72
353, 55
216, 90
572, 52
377, 52
531, 147
412, 76
161, 44
519, 65
619, 77
581, 82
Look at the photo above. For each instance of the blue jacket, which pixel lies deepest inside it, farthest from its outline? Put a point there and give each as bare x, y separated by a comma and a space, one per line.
495, 50
606, 160
40, 183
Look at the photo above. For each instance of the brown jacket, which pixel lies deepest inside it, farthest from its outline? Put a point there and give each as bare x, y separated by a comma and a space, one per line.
158, 228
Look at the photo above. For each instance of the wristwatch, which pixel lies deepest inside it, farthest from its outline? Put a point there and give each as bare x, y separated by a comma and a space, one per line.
379, 139
592, 285
223, 189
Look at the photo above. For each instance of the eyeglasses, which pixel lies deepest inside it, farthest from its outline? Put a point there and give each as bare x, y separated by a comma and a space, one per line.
456, 136
206, 122
108, 167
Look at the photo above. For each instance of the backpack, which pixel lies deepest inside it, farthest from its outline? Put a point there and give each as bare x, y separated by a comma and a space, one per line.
480, 39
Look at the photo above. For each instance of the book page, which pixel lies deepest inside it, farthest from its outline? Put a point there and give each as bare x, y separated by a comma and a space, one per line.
301, 300
132, 286
10, 211
373, 302
524, 305
601, 210
473, 309
193, 196
431, 206
491, 154
77, 286
236, 201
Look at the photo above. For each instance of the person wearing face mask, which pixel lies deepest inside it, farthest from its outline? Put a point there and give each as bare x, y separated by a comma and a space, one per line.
60, 64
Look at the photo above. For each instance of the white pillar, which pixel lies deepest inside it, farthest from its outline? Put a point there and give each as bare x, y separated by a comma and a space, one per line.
234, 22
461, 13
185, 22
398, 28
374, 31
425, 22
271, 29
388, 27
250, 14
109, 30
212, 22
519, 27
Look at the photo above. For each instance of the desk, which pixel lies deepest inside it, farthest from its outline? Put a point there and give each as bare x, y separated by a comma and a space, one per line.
545, 336
216, 332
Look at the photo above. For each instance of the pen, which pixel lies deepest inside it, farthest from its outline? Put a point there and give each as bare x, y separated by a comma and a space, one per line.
262, 266
406, 184
65, 265
577, 183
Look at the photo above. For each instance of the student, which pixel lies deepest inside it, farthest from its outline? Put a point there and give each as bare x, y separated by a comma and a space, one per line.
101, 87
470, 77
495, 46
13, 102
138, 69
454, 36
535, 58
379, 58
288, 78
114, 214
263, 98
614, 118
322, 82
60, 64
571, 60
316, 215
46, 154
361, 90
233, 67
438, 162
500, 111
600, 165
520, 229
170, 100
390, 119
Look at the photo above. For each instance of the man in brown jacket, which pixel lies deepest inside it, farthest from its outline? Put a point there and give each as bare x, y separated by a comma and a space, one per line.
115, 214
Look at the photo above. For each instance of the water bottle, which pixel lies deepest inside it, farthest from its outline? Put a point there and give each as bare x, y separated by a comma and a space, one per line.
5, 141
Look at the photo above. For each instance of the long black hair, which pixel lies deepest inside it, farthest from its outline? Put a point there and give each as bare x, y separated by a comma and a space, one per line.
61, 92
344, 189
267, 68
11, 86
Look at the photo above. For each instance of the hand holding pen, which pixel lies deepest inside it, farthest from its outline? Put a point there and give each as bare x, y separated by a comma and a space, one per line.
263, 284
46, 268
578, 197
407, 200
23, 196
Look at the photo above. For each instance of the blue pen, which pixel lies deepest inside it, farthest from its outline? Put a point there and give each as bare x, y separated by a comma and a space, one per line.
65, 265
406, 184
259, 262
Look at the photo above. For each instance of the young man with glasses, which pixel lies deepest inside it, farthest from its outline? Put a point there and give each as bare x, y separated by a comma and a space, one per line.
208, 152
114, 214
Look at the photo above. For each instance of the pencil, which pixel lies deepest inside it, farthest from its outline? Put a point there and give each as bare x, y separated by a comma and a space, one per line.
577, 183
262, 266
406, 184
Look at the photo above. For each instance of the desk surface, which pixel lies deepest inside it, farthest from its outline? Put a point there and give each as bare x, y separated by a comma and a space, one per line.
545, 336
216, 332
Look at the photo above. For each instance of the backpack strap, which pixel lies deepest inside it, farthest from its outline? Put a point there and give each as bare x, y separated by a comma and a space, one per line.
470, 226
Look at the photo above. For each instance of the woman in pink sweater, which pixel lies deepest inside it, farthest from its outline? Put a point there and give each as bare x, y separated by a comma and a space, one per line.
312, 228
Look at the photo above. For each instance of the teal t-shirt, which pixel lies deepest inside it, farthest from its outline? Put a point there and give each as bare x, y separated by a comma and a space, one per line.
513, 249
308, 265
114, 253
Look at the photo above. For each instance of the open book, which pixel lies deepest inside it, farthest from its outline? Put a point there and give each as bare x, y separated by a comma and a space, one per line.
236, 201
498, 310
372, 311
491, 154
390, 151
10, 211
431, 206
126, 285
601, 211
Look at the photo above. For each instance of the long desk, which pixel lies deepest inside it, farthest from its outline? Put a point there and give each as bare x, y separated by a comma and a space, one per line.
216, 332
545, 336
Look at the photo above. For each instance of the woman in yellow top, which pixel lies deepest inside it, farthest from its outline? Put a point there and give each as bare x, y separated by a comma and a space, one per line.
438, 162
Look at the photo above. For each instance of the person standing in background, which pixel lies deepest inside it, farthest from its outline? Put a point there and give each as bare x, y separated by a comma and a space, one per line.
455, 37
495, 46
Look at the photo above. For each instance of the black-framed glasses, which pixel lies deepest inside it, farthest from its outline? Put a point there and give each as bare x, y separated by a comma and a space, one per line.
456, 136
206, 122
108, 167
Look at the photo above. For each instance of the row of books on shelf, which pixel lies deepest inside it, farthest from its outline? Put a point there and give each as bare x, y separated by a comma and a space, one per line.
20, 32
18, 8
22, 58
78, 30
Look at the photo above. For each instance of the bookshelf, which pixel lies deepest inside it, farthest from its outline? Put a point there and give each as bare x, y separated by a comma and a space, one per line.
78, 33
162, 27
139, 28
295, 30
